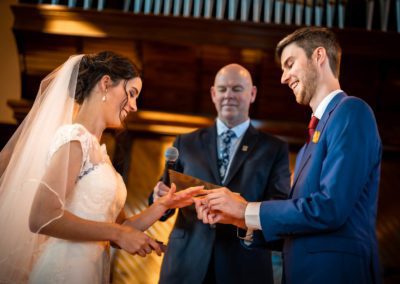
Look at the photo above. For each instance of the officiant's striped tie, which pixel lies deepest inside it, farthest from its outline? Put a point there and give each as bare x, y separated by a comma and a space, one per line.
223, 159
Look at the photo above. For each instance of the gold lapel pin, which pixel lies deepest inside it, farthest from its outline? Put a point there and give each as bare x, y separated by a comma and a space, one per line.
244, 148
316, 135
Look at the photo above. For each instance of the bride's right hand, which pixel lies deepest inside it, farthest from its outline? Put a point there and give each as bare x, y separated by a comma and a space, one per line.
136, 242
180, 199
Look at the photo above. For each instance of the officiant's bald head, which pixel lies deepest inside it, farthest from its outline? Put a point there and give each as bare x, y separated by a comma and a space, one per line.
232, 94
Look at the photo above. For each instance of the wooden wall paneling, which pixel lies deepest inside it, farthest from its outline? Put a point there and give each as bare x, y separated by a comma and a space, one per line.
388, 103
213, 58
127, 47
389, 88
40, 54
361, 78
169, 77
276, 101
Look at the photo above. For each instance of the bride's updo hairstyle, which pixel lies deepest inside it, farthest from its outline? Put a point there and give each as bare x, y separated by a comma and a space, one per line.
94, 66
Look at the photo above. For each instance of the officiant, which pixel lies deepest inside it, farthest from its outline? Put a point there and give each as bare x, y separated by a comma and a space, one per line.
230, 153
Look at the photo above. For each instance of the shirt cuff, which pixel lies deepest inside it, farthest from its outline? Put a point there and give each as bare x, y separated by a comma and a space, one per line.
252, 216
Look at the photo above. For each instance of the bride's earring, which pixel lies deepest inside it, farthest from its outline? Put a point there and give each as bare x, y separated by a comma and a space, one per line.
104, 98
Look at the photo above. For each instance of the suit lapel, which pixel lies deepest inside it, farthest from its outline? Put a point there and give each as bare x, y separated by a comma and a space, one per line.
320, 127
244, 149
209, 141
298, 159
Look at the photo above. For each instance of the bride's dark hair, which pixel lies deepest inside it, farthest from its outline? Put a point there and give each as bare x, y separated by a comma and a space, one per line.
94, 66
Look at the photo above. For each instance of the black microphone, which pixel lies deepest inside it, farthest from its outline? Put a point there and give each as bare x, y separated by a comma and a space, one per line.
171, 155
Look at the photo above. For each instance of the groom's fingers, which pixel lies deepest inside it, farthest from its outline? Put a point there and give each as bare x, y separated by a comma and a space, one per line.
215, 196
206, 216
200, 211
217, 203
214, 218
199, 208
211, 218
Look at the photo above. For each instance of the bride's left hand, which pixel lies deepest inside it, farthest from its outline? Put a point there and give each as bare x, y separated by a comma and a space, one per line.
181, 198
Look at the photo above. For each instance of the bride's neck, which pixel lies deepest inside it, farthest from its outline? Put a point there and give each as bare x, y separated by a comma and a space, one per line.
91, 120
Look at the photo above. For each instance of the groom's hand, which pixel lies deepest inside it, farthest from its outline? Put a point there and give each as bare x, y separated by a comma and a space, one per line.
203, 212
222, 206
225, 201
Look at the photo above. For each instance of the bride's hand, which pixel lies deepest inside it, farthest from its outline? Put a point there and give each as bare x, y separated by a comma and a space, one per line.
136, 242
181, 198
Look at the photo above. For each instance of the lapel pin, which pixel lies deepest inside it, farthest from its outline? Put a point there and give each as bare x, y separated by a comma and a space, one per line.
316, 135
244, 148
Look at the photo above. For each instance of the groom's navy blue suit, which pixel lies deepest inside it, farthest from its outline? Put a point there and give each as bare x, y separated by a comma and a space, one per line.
329, 223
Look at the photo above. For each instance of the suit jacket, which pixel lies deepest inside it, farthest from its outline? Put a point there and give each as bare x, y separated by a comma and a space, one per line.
260, 172
329, 223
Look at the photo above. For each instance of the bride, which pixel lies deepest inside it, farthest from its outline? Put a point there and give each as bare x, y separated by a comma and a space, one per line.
61, 200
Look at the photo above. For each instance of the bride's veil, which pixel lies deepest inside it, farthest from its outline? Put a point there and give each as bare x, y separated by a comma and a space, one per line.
23, 162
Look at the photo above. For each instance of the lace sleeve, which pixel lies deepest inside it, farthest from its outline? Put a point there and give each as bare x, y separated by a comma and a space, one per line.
68, 133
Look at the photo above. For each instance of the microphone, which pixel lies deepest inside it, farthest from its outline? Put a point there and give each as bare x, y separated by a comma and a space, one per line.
171, 155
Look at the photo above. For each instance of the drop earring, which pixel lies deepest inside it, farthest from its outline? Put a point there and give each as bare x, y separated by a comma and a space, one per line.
104, 98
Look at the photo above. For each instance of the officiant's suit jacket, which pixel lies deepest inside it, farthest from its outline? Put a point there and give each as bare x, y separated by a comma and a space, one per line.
259, 171
329, 222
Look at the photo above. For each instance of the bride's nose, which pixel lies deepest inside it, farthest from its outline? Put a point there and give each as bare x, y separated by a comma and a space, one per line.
132, 104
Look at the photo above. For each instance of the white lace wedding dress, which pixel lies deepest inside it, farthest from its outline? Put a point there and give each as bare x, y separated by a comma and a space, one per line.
99, 195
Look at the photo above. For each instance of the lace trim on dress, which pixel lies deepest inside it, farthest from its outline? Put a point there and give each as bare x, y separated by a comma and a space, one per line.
77, 132
68, 133
85, 172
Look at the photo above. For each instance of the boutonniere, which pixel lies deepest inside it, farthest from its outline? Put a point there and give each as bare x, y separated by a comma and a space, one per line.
315, 137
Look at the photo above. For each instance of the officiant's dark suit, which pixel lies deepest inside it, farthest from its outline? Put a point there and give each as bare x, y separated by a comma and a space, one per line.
259, 170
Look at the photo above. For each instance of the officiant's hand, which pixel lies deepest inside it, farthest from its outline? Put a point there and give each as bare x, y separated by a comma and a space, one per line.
181, 198
136, 242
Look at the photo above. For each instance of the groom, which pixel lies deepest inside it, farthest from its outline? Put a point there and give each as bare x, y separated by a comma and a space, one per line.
328, 225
